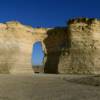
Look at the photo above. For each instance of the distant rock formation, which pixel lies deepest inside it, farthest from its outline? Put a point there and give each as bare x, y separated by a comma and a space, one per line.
70, 50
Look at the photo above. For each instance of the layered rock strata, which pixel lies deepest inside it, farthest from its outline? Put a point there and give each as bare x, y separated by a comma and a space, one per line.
73, 49
84, 49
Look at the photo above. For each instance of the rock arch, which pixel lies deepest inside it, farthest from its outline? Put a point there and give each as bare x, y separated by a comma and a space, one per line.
71, 49
16, 41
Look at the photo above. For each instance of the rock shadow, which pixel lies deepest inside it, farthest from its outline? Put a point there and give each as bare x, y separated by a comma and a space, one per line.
56, 42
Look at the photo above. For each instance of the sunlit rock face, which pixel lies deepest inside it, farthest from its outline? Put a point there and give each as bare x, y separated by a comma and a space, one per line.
16, 41
84, 49
73, 49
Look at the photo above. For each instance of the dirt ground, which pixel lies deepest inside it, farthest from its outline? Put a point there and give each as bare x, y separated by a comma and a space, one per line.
49, 87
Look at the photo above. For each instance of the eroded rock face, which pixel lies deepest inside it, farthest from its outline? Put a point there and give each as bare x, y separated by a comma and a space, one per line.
16, 41
84, 50
72, 49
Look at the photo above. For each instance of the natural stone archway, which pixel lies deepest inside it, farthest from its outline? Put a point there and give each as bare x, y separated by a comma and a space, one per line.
16, 41
16, 47
72, 49
38, 58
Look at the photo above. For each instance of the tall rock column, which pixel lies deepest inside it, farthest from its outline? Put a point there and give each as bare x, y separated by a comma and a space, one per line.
82, 53
82, 46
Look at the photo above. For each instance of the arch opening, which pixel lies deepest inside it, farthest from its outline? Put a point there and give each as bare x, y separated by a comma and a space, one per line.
38, 57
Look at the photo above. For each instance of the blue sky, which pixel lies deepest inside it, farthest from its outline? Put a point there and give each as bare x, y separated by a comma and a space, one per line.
47, 13
37, 54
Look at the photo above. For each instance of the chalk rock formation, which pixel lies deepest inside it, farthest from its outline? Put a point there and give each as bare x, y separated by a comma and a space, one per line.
71, 49
16, 41
84, 49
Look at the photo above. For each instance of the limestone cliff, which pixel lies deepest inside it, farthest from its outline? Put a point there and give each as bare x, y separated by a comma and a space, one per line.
16, 41
71, 49
84, 52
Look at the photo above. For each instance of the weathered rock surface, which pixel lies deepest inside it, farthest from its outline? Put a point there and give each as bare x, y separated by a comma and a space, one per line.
16, 41
84, 50
72, 49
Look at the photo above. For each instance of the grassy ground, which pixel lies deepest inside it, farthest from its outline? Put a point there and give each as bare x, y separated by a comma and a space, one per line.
49, 87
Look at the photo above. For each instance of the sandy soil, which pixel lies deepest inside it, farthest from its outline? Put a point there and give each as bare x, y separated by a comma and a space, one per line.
49, 87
